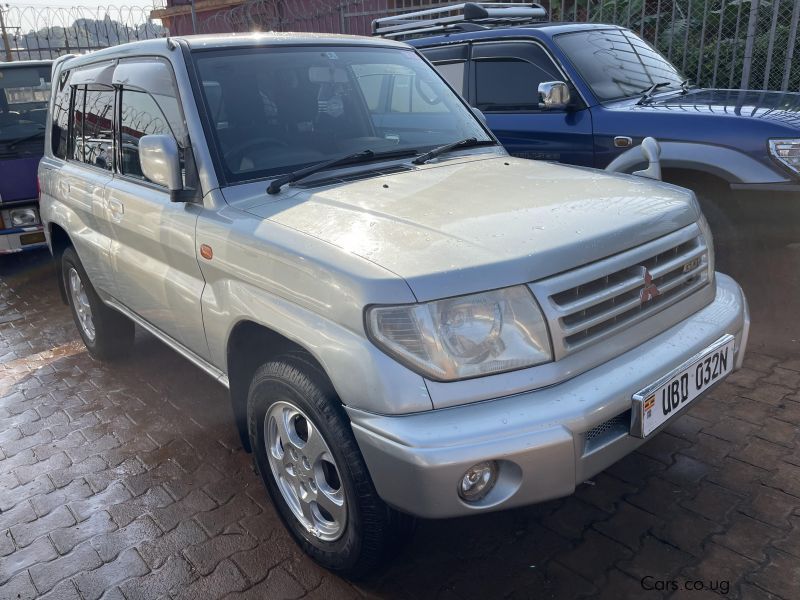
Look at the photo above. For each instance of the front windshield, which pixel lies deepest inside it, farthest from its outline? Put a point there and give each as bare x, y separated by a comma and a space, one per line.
617, 63
24, 95
277, 109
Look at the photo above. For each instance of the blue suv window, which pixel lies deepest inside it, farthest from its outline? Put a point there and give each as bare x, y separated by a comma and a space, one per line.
507, 75
617, 63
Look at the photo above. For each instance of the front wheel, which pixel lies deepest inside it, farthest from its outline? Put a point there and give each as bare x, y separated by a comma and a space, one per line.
311, 465
106, 333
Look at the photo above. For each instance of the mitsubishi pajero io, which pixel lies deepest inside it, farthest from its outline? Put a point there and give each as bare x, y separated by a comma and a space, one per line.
410, 321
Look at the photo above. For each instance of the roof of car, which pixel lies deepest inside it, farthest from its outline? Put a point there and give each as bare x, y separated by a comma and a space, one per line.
546, 28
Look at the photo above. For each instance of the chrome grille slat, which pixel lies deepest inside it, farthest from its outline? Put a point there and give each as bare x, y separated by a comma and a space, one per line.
595, 301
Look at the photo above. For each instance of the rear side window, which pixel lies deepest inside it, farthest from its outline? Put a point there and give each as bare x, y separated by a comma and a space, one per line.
91, 139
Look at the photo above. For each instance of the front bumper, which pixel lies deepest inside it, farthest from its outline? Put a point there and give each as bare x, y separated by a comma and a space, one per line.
546, 441
19, 239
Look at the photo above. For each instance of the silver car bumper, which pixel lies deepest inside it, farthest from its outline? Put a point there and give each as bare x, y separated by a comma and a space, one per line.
546, 441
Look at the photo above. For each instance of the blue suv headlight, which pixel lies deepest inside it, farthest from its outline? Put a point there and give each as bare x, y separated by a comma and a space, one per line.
787, 152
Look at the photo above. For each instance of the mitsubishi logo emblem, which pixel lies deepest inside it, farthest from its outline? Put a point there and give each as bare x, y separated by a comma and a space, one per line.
650, 290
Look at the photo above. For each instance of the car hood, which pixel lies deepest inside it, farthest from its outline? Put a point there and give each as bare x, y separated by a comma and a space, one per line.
465, 226
780, 107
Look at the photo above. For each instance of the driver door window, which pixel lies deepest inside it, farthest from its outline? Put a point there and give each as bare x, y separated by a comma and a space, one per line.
507, 76
140, 115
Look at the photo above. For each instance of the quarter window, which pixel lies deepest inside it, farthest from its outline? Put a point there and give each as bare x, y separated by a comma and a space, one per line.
60, 130
91, 139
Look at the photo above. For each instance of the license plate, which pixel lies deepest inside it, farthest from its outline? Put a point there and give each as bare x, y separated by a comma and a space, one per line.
31, 238
659, 402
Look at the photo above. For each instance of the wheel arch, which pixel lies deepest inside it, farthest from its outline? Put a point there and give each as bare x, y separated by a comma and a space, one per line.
251, 344
724, 164
59, 241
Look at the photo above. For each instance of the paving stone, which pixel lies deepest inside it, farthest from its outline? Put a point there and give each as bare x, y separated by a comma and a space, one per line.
687, 531
713, 502
225, 578
156, 551
10, 497
238, 507
720, 564
206, 555
780, 576
169, 516
628, 525
67, 538
594, 556
40, 551
109, 545
655, 557
748, 536
770, 506
19, 587
278, 585
26, 533
176, 574
92, 584
46, 575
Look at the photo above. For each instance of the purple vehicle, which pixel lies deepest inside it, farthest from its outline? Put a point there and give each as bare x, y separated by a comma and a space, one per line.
24, 96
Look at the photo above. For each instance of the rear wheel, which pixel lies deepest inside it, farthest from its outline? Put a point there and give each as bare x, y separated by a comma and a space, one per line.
308, 458
106, 333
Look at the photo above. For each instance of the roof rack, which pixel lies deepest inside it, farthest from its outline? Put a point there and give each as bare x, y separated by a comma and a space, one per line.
464, 16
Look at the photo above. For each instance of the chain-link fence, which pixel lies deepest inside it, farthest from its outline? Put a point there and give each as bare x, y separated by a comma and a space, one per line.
715, 43
35, 33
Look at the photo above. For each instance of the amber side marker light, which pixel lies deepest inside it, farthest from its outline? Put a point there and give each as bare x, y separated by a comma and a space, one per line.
206, 251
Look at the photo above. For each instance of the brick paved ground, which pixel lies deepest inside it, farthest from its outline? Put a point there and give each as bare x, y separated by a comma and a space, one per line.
129, 482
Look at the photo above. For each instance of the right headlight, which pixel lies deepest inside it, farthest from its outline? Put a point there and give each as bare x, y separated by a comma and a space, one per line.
466, 336
786, 152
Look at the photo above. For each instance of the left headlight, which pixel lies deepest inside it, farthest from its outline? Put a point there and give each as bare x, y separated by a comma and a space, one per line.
709, 238
786, 152
466, 336
23, 217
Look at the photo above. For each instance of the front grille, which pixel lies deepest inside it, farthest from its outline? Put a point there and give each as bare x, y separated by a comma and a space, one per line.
593, 302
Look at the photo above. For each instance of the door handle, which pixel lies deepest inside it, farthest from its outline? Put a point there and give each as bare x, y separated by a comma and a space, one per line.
117, 209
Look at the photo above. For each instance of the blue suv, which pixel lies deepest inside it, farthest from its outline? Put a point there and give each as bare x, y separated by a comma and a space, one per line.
587, 94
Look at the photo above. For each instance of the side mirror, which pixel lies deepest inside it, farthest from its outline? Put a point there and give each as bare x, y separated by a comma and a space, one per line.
554, 95
479, 113
651, 150
161, 162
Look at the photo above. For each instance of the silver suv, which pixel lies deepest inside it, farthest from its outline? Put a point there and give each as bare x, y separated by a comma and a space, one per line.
410, 321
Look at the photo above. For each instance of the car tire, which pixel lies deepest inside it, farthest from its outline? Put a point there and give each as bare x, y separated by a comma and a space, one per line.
107, 334
306, 454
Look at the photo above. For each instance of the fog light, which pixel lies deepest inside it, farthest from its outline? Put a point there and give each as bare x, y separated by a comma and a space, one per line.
478, 481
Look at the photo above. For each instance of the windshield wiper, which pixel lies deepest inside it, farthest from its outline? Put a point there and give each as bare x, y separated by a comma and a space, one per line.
686, 86
431, 154
355, 157
14, 141
647, 94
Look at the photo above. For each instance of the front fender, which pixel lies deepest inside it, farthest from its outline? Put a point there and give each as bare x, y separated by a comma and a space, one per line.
728, 164
362, 375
